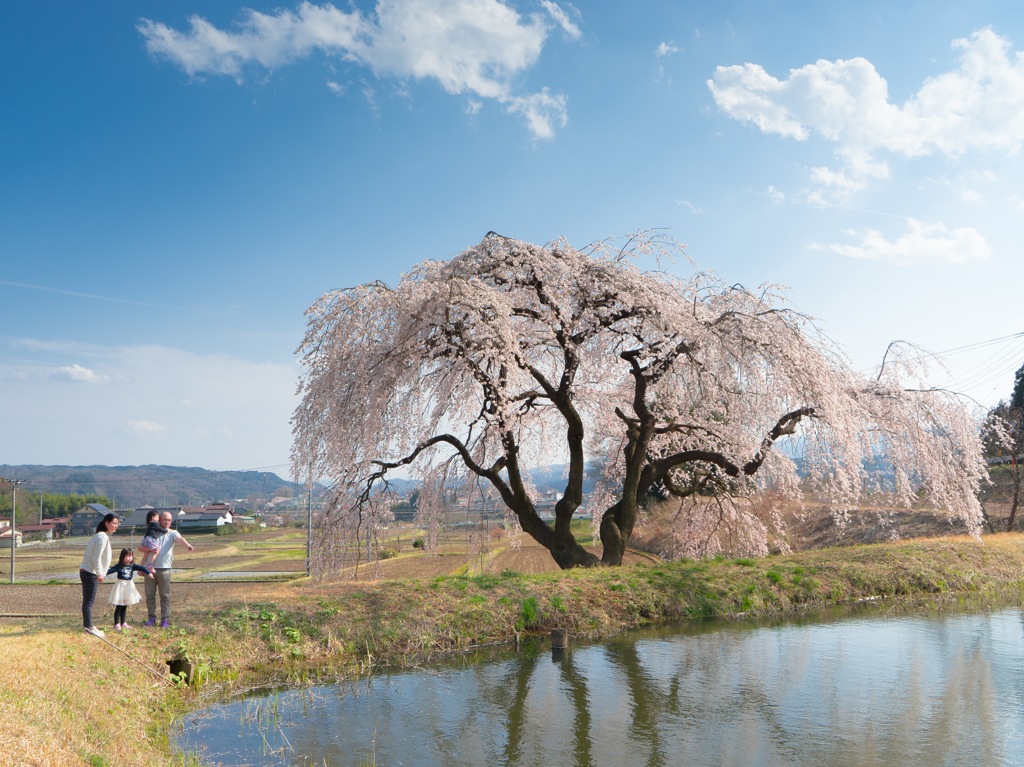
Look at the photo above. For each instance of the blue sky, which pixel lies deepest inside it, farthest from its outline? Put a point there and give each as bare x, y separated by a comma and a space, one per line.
180, 180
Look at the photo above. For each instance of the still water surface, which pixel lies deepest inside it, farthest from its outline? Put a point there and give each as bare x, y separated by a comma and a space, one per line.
851, 692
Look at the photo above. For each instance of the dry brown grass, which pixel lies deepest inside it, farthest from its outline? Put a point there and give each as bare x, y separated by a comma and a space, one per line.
68, 699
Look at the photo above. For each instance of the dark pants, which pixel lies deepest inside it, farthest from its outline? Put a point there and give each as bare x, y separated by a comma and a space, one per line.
90, 585
120, 614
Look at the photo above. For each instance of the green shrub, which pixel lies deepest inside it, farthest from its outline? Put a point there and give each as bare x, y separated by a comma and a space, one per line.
530, 615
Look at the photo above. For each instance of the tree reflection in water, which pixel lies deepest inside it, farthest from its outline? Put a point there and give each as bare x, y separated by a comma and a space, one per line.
939, 690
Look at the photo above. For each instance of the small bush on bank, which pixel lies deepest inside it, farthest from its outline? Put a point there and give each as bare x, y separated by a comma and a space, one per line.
238, 528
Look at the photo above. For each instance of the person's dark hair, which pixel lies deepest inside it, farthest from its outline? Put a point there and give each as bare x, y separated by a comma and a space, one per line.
102, 526
151, 515
124, 553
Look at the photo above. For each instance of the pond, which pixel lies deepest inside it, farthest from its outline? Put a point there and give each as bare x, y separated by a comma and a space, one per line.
854, 691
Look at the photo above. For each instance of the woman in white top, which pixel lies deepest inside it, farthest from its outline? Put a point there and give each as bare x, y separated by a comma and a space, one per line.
95, 563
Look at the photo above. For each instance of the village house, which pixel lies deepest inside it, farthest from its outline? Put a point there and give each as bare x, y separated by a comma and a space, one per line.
6, 538
59, 524
84, 521
43, 532
205, 519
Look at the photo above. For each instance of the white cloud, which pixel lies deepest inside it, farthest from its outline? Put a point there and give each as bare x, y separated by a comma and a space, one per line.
542, 111
561, 18
77, 374
690, 207
475, 47
665, 49
977, 106
143, 428
921, 243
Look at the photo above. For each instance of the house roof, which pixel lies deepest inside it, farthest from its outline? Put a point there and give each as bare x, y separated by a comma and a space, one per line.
213, 508
95, 508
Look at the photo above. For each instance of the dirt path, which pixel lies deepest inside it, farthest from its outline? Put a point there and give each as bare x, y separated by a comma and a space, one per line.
18, 600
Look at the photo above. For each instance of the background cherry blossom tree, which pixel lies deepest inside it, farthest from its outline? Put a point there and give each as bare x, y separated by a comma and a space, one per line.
512, 355
1004, 438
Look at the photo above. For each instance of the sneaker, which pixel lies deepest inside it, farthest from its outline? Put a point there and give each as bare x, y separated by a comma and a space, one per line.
165, 624
151, 622
117, 627
94, 631
125, 627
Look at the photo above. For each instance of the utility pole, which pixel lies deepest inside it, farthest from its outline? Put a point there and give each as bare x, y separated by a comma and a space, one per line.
14, 506
309, 526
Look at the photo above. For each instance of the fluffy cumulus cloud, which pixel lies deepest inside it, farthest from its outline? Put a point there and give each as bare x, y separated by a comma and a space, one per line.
76, 374
469, 47
920, 243
979, 105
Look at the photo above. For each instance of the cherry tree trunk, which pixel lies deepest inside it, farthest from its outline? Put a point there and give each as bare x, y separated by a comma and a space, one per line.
1016, 496
616, 528
568, 554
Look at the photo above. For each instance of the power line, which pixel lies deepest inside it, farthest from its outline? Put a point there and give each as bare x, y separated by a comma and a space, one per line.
1009, 354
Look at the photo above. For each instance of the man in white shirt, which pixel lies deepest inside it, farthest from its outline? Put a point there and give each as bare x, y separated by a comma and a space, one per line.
162, 572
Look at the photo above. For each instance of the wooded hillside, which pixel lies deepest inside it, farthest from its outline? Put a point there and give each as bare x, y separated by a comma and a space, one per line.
134, 486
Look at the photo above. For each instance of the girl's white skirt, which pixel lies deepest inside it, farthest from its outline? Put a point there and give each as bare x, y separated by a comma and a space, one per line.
124, 593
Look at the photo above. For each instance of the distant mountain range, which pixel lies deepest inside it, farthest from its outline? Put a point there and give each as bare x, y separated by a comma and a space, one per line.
153, 485
135, 486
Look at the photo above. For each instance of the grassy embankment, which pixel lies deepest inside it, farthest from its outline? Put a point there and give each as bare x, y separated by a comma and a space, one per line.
74, 700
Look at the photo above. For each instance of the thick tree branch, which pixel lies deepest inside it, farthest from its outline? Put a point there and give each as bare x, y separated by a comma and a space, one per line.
785, 425
491, 474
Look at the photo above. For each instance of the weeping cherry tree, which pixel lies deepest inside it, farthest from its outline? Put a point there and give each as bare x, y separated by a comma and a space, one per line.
511, 355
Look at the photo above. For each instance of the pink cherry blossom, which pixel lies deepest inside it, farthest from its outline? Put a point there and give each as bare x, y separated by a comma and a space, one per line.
509, 356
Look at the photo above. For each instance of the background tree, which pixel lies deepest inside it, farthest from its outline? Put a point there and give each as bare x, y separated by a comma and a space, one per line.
1004, 446
53, 504
512, 355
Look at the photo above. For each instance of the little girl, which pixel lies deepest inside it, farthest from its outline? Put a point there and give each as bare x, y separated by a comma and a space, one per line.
150, 543
124, 593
